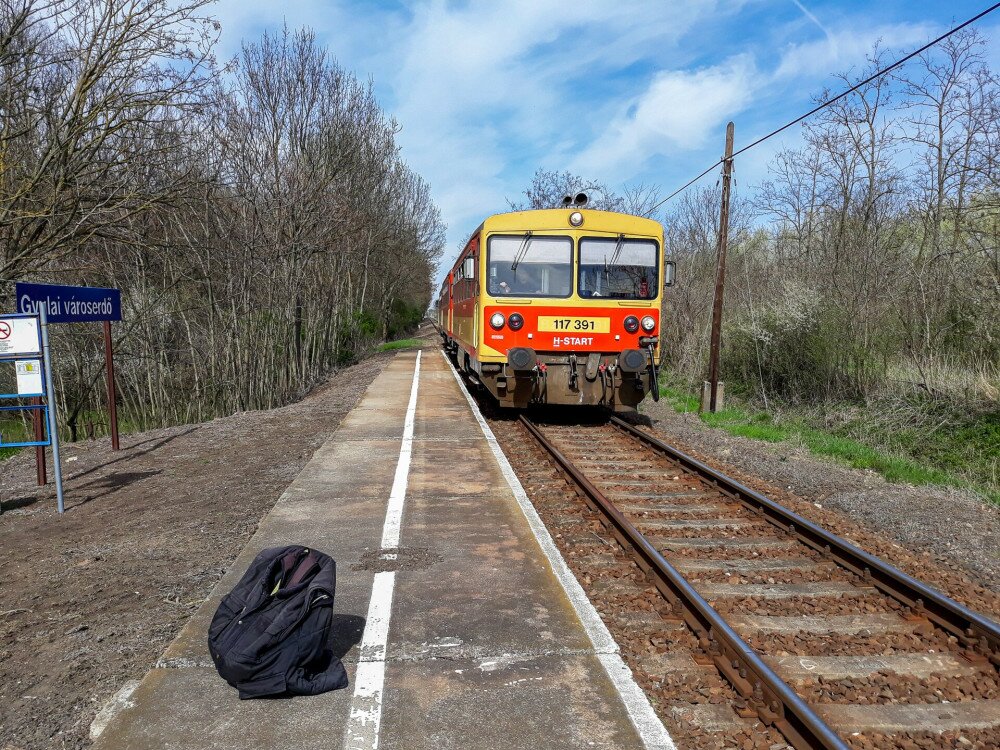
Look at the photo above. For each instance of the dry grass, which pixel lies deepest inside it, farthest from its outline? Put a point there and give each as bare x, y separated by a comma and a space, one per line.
945, 378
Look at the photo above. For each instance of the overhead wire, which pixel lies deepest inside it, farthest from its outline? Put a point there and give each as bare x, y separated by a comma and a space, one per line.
838, 97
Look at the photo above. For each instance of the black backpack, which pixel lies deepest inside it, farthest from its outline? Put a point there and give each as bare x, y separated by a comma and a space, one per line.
270, 634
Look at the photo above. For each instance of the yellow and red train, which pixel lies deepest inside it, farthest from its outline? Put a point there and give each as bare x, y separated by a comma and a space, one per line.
558, 306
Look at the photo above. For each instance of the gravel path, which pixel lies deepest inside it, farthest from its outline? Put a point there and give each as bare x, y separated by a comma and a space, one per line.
952, 527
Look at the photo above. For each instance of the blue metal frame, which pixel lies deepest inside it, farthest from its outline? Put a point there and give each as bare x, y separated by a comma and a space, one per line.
43, 407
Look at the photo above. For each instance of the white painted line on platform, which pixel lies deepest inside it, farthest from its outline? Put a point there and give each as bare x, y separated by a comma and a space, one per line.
394, 511
362, 731
654, 735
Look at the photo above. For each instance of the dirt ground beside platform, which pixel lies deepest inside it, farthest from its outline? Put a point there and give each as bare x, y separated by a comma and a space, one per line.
947, 537
90, 599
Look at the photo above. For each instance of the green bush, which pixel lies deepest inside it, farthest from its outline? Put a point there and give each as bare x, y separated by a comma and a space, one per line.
802, 356
356, 336
389, 346
403, 319
12, 430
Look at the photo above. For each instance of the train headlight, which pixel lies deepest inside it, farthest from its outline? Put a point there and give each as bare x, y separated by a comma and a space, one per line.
515, 321
648, 324
497, 320
631, 324
576, 219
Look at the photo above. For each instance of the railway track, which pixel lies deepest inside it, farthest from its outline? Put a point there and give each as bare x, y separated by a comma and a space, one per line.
818, 640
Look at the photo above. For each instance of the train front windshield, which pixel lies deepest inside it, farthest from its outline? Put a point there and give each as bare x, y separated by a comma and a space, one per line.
618, 268
527, 266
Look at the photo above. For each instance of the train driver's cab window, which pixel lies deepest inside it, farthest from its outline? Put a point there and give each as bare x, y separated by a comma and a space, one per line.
529, 266
618, 268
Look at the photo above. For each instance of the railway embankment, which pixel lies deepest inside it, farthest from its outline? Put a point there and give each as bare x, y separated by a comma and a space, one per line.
945, 442
950, 529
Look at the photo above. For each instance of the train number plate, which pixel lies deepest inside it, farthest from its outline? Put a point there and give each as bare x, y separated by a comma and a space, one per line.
553, 324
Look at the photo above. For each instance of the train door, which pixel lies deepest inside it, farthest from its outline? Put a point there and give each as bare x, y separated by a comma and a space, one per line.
450, 314
476, 283
476, 311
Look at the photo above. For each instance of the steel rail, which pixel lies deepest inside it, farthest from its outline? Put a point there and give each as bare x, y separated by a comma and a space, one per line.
765, 693
975, 631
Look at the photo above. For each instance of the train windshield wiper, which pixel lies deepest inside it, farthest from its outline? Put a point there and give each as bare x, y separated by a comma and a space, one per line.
521, 251
614, 256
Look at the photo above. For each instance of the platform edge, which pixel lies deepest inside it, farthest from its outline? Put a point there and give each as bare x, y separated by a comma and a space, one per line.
640, 711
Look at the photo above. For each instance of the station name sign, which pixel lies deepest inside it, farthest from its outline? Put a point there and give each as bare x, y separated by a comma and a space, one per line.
70, 304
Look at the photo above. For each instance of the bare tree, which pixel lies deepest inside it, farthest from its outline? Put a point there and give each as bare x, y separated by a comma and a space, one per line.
95, 82
259, 220
549, 187
875, 262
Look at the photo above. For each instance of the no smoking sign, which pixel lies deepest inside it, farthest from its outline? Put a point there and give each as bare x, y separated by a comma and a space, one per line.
19, 337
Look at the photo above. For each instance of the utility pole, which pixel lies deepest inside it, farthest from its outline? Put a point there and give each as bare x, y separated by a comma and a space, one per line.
720, 272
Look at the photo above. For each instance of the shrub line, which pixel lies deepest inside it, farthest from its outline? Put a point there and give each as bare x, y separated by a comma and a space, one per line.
844, 450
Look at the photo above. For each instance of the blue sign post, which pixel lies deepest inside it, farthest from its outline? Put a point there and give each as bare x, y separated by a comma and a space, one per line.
79, 304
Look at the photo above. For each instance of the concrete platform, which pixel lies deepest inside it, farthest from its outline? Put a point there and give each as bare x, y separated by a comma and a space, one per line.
488, 640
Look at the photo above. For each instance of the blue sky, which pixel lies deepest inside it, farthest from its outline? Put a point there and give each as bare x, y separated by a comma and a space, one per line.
617, 90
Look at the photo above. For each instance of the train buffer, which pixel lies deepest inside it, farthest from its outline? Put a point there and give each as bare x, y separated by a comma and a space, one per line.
457, 621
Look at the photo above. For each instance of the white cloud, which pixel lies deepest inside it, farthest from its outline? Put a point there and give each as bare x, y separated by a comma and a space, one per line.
483, 85
847, 47
809, 14
487, 90
679, 109
347, 32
